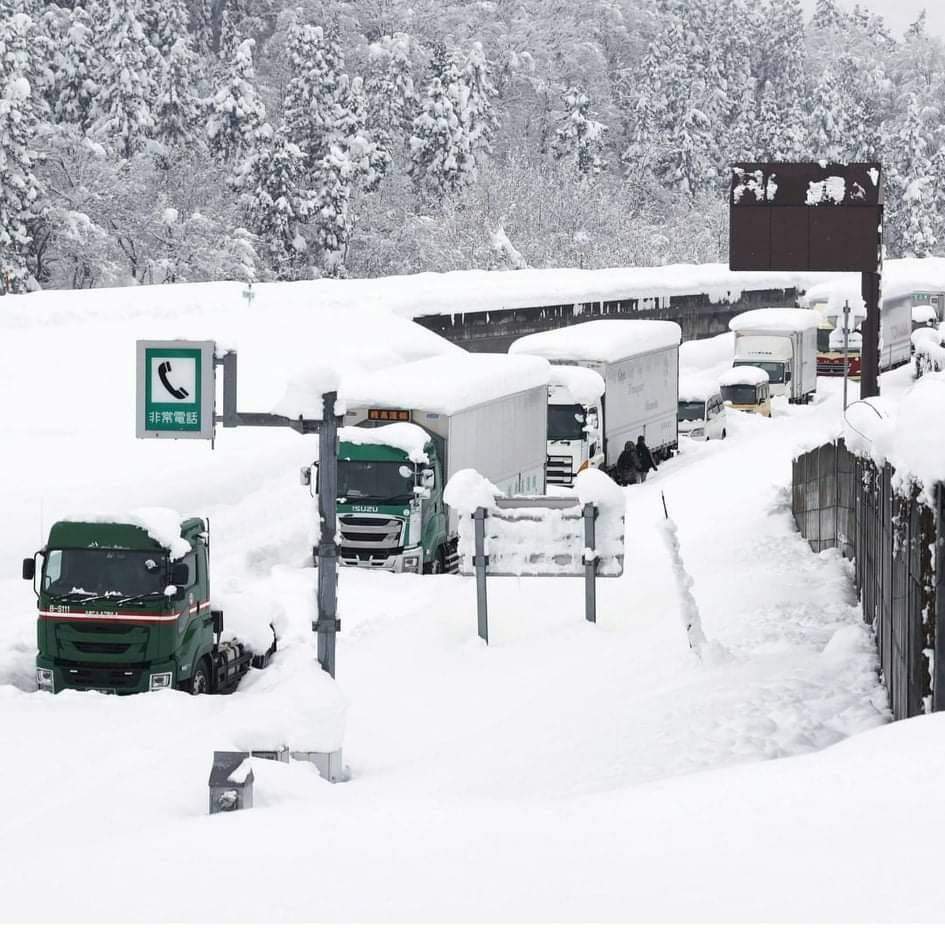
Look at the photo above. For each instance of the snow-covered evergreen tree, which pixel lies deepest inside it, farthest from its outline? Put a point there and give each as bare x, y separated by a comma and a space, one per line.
77, 67
19, 188
313, 108
276, 205
439, 146
475, 105
828, 15
912, 196
579, 137
176, 111
392, 100
236, 111
122, 111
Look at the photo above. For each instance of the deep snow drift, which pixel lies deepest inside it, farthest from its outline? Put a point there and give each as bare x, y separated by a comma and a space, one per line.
566, 771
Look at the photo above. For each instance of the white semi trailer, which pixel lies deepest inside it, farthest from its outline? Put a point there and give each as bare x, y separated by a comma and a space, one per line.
638, 362
783, 342
479, 411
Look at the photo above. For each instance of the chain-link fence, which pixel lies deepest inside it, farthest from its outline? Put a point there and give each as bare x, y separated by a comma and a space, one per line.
895, 538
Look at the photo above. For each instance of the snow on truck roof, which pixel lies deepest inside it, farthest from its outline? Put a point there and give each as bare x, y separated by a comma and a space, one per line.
744, 375
410, 438
600, 340
162, 525
447, 384
776, 320
584, 385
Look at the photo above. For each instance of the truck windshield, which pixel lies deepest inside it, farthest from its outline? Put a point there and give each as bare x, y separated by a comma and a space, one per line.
379, 482
103, 573
775, 370
739, 394
565, 422
691, 411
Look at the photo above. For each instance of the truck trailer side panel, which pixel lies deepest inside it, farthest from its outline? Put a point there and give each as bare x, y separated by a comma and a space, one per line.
504, 440
640, 398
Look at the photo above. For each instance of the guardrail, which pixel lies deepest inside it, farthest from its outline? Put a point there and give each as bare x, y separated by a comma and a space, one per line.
897, 544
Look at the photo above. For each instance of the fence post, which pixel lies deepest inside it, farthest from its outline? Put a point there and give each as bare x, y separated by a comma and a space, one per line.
481, 562
590, 565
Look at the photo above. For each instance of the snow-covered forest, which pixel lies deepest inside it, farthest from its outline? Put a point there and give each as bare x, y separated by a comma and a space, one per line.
187, 140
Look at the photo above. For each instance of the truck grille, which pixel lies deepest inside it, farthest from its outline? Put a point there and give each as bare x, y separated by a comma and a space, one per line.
361, 533
97, 676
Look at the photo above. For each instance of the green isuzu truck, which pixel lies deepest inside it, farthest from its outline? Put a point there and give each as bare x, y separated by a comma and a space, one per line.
123, 611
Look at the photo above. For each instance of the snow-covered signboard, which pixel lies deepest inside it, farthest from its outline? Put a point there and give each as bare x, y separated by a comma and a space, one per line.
805, 216
175, 389
541, 535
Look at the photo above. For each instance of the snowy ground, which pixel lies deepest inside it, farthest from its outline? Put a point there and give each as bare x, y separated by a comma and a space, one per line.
566, 771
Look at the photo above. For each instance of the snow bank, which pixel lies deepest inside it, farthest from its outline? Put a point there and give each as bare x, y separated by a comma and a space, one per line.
411, 438
901, 277
448, 384
698, 387
600, 340
303, 394
585, 386
775, 320
707, 354
162, 525
744, 375
468, 490
594, 487
907, 434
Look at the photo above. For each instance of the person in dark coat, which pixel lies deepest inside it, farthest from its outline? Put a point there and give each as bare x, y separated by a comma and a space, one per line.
644, 458
628, 464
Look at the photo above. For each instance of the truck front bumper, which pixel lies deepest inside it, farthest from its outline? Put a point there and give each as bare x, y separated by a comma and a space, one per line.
55, 676
407, 561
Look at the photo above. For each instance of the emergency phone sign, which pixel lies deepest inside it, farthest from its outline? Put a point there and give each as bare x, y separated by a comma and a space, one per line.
175, 389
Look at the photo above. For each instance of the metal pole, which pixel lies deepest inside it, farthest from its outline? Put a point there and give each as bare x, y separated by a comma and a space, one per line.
481, 562
590, 566
846, 349
869, 366
230, 416
327, 624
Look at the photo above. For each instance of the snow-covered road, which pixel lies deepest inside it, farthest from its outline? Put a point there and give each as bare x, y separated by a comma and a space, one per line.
566, 771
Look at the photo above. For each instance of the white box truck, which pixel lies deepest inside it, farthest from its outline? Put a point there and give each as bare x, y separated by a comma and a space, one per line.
417, 424
638, 361
783, 342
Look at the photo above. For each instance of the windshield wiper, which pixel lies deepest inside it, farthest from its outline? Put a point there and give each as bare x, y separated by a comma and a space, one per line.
140, 595
88, 598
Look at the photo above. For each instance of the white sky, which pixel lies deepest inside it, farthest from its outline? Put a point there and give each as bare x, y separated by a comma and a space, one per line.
897, 13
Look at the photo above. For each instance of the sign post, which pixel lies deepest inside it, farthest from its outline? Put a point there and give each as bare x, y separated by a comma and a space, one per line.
176, 398
817, 217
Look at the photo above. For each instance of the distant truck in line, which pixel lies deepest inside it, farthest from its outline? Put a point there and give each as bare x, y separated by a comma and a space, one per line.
638, 364
782, 342
747, 388
124, 608
410, 428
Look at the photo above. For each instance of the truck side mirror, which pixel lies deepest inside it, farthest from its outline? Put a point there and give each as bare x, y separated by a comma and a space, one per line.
180, 574
29, 568
428, 478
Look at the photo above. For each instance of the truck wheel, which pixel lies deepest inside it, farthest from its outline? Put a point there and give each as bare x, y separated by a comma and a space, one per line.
199, 683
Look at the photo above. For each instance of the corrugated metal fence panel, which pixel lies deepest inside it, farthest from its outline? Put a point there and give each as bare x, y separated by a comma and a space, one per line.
840, 500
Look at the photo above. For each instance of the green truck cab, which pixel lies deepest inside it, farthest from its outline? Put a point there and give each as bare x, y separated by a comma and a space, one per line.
119, 614
391, 513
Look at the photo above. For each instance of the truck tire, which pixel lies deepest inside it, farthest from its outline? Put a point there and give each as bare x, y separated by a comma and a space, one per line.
199, 683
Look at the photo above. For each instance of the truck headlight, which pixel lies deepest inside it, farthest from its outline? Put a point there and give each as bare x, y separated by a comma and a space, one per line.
45, 680
412, 563
160, 681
